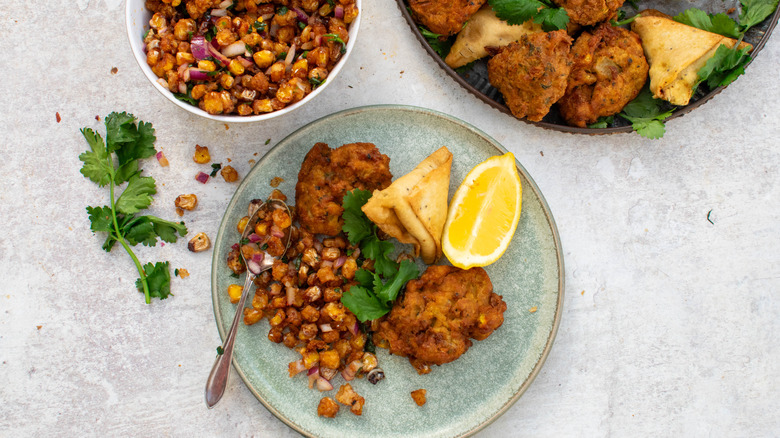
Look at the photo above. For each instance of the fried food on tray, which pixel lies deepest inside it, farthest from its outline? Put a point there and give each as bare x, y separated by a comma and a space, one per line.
676, 52
327, 174
532, 73
413, 208
609, 71
445, 17
439, 313
483, 30
589, 12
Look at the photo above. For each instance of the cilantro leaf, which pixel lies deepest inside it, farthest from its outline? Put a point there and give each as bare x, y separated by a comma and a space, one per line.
365, 305
112, 163
542, 12
158, 277
120, 129
379, 251
389, 291
364, 277
100, 218
646, 114
137, 196
724, 66
439, 43
755, 11
716, 23
96, 165
602, 122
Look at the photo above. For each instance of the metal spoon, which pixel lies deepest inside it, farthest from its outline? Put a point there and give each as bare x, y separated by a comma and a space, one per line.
217, 381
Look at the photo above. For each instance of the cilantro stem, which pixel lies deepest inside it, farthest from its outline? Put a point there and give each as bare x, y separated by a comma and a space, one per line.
121, 239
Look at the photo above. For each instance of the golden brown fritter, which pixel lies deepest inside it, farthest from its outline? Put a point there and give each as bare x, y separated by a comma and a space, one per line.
532, 73
438, 314
589, 12
609, 71
327, 174
445, 17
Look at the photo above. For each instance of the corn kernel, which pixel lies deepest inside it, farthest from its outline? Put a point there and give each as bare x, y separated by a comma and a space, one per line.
158, 21
207, 65
310, 359
330, 359
242, 224
234, 292
251, 316
277, 319
262, 106
227, 81
184, 58
236, 67
198, 91
202, 155
264, 58
261, 229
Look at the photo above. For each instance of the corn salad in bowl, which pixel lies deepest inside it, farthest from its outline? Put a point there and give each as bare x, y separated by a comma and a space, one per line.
241, 60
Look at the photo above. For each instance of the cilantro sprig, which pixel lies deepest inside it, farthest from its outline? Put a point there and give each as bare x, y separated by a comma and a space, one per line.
543, 12
112, 163
377, 290
647, 114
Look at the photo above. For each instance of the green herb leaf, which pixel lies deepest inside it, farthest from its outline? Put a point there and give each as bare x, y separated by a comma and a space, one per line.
336, 38
158, 277
96, 166
379, 251
755, 11
647, 114
602, 122
716, 23
356, 225
724, 66
439, 43
100, 218
364, 304
542, 12
282, 11
389, 291
215, 168
137, 196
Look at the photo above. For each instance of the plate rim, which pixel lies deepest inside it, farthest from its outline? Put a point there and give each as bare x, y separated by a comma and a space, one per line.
401, 4
217, 258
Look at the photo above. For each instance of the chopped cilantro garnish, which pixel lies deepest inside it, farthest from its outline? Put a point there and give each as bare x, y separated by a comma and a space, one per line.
220, 350
259, 26
336, 38
439, 43
602, 122
113, 163
282, 11
647, 114
316, 82
543, 12
215, 168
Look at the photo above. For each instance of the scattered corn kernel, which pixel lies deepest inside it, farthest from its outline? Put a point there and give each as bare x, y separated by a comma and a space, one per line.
186, 202
234, 292
199, 243
202, 155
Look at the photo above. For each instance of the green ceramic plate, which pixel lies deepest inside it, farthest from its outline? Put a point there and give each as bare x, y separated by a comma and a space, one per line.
463, 396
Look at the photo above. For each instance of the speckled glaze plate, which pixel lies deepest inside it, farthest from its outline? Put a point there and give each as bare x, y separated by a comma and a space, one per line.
474, 77
463, 396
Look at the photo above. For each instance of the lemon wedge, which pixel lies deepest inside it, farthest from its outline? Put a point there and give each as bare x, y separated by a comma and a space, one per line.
483, 213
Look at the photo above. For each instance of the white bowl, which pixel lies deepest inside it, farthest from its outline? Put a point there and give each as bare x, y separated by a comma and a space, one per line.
137, 21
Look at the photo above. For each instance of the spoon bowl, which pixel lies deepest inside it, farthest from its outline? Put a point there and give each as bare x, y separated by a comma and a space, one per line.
259, 262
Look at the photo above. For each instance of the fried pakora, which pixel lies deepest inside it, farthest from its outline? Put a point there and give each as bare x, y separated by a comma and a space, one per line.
589, 12
532, 73
439, 313
609, 71
445, 17
327, 174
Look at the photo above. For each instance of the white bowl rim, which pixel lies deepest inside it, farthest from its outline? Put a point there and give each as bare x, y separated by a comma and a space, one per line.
137, 48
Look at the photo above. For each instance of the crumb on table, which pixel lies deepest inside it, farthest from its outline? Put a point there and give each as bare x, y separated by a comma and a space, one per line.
419, 396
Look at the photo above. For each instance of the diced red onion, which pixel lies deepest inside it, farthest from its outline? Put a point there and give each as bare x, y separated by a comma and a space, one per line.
356, 253
163, 82
314, 370
339, 262
217, 54
355, 328
318, 40
290, 296
338, 11
198, 47
197, 74
218, 12
328, 373
245, 62
182, 68
318, 245
314, 374
235, 49
253, 267
326, 264
254, 238
274, 29
326, 328
323, 384
258, 257
302, 16
235, 246
182, 88
308, 45
161, 159
351, 370
267, 17
296, 367
276, 231
226, 4
202, 177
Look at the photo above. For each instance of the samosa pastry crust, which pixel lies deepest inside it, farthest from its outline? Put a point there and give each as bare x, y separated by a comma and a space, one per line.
484, 29
413, 208
676, 52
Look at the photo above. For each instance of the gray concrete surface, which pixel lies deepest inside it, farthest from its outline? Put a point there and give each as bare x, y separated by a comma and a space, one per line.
670, 324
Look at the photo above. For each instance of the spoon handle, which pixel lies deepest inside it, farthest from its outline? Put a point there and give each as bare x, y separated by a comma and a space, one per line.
217, 381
